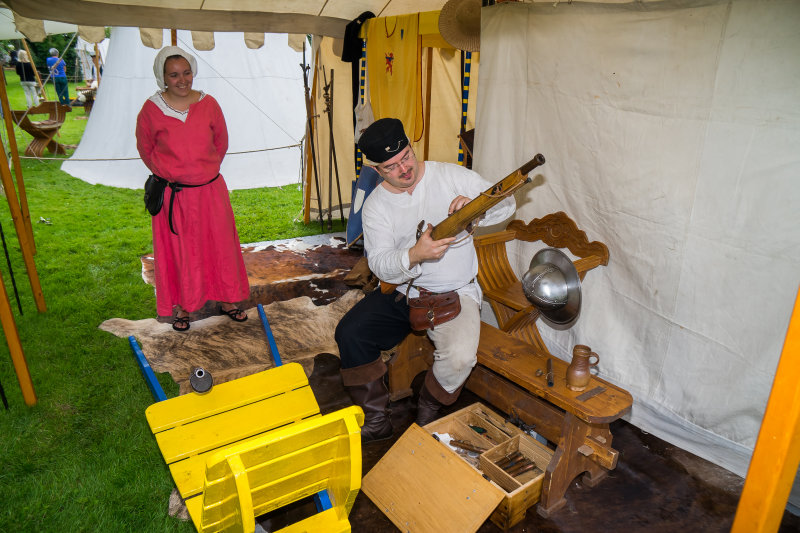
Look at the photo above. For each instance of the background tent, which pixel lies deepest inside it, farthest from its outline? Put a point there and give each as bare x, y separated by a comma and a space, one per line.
8, 28
260, 92
671, 134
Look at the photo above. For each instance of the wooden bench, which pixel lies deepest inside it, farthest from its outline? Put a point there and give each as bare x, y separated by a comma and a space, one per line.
256, 444
510, 356
43, 131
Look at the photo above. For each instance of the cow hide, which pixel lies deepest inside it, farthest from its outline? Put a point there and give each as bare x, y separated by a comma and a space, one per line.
281, 270
228, 349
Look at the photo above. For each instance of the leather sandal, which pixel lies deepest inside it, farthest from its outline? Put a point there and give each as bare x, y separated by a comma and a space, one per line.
234, 314
181, 323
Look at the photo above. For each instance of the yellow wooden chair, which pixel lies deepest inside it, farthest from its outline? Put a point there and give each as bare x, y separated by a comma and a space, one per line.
281, 467
256, 444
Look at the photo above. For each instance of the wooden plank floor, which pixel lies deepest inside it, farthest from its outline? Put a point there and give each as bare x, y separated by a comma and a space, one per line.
655, 488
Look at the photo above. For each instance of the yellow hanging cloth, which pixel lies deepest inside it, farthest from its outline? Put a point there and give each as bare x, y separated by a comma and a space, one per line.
393, 66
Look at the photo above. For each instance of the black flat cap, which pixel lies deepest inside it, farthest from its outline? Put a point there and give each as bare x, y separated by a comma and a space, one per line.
383, 139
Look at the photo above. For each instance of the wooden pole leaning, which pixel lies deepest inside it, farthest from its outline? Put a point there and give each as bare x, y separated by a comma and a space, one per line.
12, 147
96, 61
35, 70
15, 347
777, 453
25, 239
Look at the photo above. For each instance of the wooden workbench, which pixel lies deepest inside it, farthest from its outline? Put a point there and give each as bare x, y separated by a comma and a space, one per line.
506, 377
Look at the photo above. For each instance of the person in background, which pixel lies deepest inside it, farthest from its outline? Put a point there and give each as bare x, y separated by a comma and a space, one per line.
58, 71
182, 137
27, 78
412, 191
12, 55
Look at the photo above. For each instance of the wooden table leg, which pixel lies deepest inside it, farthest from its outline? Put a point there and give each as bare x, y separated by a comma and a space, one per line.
583, 447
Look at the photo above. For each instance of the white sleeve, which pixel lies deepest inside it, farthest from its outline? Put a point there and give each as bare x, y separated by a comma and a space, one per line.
387, 252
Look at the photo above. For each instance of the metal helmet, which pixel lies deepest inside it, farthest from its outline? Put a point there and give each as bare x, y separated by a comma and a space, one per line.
553, 285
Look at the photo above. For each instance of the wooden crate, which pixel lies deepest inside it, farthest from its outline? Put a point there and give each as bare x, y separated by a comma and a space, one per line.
424, 485
501, 439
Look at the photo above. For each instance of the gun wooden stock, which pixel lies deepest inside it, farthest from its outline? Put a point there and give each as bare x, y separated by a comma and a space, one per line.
458, 221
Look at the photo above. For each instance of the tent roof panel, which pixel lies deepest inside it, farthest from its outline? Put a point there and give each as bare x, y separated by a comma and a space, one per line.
318, 17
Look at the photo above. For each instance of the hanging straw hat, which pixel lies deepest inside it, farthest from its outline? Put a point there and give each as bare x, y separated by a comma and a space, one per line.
553, 285
460, 24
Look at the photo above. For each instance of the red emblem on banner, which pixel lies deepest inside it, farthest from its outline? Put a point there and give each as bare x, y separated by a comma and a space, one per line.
389, 59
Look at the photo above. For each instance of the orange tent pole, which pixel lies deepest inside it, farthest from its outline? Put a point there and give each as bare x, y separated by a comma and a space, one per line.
15, 347
777, 452
12, 146
25, 240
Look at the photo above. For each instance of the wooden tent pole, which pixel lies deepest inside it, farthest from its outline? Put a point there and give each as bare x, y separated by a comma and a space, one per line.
97, 63
173, 37
25, 239
777, 452
35, 70
429, 85
12, 146
15, 347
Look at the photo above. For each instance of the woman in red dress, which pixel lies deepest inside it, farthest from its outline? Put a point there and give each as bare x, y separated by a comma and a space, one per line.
181, 137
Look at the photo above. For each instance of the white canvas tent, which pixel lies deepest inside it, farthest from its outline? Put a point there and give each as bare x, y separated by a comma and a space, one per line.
671, 131
260, 92
671, 134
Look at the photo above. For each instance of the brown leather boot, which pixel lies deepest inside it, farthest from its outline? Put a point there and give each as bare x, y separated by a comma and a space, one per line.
368, 391
373, 398
431, 399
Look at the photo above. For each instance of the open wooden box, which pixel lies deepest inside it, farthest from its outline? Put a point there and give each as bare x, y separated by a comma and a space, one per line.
422, 484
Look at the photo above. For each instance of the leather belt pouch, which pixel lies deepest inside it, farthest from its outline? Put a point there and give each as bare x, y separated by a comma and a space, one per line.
431, 309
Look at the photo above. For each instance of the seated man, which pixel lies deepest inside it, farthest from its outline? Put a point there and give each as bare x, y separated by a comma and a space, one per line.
412, 191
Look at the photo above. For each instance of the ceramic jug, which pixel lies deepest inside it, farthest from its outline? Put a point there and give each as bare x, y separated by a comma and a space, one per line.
578, 371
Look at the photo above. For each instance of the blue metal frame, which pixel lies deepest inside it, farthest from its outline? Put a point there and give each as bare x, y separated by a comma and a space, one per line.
270, 339
149, 375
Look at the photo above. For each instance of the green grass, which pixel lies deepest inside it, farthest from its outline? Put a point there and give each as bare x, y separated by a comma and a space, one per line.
83, 458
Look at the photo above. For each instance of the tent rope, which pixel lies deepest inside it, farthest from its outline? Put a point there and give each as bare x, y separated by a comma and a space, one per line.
240, 92
298, 145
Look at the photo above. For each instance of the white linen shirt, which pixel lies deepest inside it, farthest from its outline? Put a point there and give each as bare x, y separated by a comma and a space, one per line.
390, 230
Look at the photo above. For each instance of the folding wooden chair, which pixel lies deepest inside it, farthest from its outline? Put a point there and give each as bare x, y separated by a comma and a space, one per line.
43, 131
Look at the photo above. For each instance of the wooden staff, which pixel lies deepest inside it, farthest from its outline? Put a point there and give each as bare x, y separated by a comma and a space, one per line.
329, 110
310, 135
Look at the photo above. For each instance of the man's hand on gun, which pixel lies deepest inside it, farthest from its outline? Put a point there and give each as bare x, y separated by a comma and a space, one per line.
427, 249
457, 203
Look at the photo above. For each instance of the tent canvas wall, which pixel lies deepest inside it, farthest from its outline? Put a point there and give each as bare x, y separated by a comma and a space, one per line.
671, 133
260, 92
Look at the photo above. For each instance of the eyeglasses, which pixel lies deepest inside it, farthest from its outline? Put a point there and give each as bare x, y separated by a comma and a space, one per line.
404, 162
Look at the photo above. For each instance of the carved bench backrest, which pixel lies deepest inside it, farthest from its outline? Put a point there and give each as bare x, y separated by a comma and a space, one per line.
557, 230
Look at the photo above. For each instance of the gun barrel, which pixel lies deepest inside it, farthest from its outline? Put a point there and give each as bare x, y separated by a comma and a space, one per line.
537, 160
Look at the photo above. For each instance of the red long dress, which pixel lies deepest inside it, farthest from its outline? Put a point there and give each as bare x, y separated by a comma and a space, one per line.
204, 260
